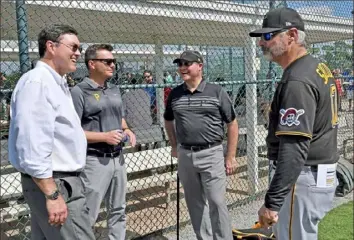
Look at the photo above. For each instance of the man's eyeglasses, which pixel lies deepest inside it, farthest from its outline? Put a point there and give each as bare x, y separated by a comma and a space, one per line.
73, 48
269, 36
184, 63
105, 61
147, 76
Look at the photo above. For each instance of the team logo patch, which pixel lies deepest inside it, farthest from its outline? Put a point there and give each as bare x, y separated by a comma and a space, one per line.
97, 96
290, 116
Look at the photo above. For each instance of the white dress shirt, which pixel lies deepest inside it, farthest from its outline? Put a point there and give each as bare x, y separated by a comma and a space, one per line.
45, 130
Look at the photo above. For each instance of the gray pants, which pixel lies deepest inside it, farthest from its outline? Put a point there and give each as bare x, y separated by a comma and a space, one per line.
303, 208
76, 226
203, 178
106, 178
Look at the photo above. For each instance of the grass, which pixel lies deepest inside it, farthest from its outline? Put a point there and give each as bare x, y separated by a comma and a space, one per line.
338, 223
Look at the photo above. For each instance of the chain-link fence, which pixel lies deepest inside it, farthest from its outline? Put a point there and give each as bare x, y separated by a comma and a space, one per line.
146, 37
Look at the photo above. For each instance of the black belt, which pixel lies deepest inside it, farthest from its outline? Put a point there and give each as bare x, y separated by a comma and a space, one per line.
103, 154
312, 167
56, 174
199, 147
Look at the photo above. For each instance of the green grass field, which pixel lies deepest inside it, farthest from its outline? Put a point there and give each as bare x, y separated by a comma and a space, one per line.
338, 223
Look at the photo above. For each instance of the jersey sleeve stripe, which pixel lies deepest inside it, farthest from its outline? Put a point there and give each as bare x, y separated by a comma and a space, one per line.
293, 133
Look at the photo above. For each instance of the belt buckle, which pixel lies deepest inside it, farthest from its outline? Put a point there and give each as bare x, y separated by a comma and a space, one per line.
195, 148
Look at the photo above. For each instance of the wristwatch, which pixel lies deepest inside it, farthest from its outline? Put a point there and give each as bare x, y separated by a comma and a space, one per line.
53, 196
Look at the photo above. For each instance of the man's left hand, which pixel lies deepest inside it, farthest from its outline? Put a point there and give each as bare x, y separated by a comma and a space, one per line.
267, 217
132, 138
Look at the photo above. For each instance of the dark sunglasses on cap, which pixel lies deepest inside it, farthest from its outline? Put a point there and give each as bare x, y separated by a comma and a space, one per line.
73, 48
184, 63
107, 61
269, 36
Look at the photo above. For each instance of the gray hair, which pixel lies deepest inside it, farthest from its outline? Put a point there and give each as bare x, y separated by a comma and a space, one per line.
52, 33
301, 37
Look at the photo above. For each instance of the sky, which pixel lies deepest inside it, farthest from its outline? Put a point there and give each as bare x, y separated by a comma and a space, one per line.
334, 8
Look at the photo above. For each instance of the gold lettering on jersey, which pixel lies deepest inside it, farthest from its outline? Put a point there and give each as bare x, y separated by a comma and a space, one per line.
324, 72
334, 104
97, 96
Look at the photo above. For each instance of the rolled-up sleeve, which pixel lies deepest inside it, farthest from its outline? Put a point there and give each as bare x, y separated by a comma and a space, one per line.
34, 126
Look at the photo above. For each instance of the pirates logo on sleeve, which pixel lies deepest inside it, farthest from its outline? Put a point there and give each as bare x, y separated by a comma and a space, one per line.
290, 116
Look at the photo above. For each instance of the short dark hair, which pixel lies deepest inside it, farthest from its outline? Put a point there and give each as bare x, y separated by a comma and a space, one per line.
91, 51
52, 33
147, 71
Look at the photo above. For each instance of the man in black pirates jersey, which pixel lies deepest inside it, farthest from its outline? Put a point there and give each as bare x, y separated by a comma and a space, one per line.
302, 134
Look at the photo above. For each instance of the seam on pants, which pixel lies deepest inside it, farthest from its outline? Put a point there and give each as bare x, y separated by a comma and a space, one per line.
291, 212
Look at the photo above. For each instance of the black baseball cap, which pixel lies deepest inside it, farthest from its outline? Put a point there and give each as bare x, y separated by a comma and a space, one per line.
189, 56
279, 19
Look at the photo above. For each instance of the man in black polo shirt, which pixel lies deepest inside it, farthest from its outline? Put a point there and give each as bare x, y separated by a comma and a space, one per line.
198, 110
100, 108
302, 136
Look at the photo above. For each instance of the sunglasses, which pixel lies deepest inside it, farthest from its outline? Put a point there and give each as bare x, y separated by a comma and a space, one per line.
105, 61
269, 36
184, 63
73, 48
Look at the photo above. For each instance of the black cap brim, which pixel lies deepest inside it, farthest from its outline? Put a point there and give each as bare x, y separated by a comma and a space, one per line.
259, 32
177, 60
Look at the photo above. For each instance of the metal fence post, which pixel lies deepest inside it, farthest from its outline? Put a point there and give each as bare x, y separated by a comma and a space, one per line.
251, 116
22, 34
159, 66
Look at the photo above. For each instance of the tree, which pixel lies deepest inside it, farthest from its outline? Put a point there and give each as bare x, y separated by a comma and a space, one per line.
337, 55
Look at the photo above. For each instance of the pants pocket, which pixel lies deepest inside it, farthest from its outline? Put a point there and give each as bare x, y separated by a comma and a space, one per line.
71, 188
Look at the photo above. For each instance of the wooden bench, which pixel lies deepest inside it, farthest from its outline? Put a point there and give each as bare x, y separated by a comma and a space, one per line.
143, 170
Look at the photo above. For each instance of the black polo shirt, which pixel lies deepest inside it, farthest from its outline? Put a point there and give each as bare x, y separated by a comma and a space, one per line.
99, 108
199, 116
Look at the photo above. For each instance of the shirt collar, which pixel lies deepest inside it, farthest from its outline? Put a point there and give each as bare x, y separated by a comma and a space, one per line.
200, 87
94, 85
59, 79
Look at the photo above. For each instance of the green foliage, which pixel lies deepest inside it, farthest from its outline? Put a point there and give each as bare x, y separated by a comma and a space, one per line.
338, 55
11, 80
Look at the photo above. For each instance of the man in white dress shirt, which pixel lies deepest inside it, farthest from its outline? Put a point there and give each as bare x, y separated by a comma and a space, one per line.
46, 141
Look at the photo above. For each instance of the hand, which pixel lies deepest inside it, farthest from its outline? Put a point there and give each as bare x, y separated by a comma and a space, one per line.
267, 217
174, 152
230, 165
132, 138
57, 211
113, 137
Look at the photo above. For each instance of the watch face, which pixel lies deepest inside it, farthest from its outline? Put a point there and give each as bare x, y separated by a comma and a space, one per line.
55, 195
